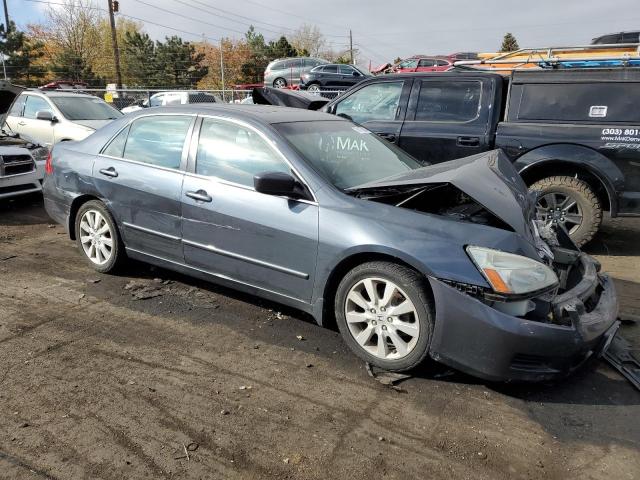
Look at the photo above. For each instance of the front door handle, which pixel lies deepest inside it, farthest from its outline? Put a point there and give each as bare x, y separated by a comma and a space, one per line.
109, 172
200, 196
468, 141
22, 124
390, 137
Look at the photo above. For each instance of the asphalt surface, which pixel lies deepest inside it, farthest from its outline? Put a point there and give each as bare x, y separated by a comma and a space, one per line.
116, 376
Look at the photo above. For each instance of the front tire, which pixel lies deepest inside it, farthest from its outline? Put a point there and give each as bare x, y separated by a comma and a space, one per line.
383, 311
570, 202
279, 82
98, 238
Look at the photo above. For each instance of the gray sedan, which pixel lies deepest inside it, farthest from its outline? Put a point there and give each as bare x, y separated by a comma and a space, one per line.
312, 211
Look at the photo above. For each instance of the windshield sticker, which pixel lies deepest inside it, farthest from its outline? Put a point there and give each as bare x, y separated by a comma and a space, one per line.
352, 144
598, 111
360, 130
618, 138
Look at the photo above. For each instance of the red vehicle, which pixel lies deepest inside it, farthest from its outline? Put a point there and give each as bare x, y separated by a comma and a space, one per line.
423, 64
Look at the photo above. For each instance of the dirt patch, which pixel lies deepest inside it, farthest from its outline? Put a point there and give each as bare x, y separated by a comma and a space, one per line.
114, 376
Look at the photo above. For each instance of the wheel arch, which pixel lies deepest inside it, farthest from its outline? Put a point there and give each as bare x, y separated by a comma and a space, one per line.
346, 264
598, 171
73, 211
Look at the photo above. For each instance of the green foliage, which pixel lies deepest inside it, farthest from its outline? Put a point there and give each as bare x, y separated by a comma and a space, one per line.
509, 43
263, 53
69, 66
172, 63
19, 54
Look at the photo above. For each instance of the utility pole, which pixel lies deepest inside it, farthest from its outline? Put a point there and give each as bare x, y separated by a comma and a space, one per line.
6, 19
222, 70
351, 47
114, 41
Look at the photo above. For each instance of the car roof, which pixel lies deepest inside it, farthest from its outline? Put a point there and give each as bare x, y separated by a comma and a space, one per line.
269, 114
453, 73
59, 93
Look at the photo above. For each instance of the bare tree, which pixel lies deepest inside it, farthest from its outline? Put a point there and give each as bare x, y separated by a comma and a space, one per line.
308, 39
72, 27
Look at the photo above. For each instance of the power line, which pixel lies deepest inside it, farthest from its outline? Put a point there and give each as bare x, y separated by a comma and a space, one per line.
187, 17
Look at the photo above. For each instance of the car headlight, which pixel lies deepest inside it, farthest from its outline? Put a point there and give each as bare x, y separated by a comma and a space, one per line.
511, 274
40, 153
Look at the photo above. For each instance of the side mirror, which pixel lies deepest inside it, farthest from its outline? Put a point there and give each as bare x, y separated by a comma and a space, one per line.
356, 74
46, 115
277, 183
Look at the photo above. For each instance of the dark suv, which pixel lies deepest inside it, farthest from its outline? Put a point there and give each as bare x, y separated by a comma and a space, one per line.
573, 135
331, 77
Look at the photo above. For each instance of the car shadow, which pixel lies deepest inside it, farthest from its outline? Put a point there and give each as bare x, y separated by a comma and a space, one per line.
23, 210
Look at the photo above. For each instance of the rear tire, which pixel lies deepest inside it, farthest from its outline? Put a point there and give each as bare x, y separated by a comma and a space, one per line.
570, 202
98, 238
314, 88
383, 311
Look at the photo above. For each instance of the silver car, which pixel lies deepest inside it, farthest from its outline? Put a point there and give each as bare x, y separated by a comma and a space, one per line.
285, 72
51, 117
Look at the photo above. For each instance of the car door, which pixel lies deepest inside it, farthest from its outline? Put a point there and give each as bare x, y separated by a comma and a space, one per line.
139, 174
349, 76
41, 131
15, 114
379, 106
331, 76
232, 231
447, 119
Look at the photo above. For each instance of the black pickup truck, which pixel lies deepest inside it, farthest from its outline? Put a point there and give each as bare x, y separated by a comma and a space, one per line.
573, 134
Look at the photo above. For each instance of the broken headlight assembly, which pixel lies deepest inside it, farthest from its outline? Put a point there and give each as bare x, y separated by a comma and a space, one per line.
514, 279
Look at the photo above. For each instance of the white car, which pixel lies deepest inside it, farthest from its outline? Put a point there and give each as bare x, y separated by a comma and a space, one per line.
22, 162
171, 98
49, 117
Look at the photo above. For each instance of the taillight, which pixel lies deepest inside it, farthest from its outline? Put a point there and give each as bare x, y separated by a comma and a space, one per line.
48, 166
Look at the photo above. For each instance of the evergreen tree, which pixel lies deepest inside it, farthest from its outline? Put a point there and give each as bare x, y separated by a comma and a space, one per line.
178, 63
509, 43
19, 55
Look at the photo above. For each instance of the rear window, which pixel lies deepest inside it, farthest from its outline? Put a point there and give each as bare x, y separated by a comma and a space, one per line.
577, 102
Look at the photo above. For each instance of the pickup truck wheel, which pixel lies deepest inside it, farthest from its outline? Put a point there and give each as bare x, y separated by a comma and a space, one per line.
569, 202
383, 311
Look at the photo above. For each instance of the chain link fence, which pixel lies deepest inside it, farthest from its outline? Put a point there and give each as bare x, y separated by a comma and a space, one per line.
131, 99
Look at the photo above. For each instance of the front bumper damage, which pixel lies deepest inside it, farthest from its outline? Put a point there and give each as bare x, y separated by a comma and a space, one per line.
474, 337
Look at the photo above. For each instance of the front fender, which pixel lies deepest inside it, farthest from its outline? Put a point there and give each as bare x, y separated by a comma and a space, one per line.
581, 157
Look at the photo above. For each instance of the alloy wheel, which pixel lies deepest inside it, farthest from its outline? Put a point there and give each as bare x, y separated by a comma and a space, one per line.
314, 89
279, 83
96, 237
555, 208
382, 318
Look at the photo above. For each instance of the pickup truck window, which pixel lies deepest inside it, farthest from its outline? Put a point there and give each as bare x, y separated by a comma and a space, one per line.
378, 101
452, 101
577, 102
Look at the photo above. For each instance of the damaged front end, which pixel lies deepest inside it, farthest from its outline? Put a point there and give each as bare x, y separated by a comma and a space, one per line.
540, 314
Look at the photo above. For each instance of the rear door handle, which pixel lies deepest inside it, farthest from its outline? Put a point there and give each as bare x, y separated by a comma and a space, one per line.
109, 172
468, 141
200, 196
390, 137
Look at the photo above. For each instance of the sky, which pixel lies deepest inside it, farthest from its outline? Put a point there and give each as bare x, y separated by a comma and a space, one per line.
382, 29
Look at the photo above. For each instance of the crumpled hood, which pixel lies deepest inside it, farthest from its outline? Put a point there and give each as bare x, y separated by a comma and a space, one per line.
94, 124
489, 178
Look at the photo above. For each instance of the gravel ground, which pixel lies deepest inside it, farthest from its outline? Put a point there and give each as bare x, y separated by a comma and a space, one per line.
115, 376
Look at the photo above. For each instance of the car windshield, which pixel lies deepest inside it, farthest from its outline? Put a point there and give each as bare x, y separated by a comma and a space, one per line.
85, 108
346, 154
